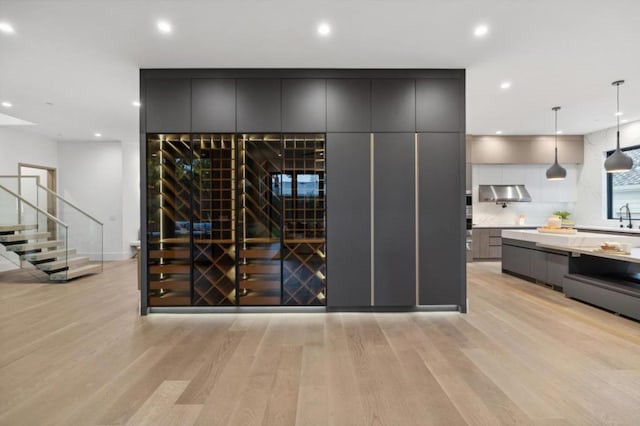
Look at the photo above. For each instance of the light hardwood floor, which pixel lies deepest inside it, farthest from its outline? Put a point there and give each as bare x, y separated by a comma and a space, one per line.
79, 354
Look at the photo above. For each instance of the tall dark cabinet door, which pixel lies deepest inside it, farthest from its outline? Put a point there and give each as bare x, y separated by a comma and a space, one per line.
394, 105
348, 105
304, 105
441, 219
394, 219
213, 105
438, 103
349, 221
168, 105
258, 105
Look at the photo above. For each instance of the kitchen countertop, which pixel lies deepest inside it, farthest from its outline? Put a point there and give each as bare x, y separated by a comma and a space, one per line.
505, 226
579, 239
611, 229
633, 257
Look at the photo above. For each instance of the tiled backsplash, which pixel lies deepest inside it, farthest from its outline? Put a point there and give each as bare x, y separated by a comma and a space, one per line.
547, 196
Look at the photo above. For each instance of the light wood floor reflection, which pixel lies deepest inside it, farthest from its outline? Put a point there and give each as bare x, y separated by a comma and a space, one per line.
79, 354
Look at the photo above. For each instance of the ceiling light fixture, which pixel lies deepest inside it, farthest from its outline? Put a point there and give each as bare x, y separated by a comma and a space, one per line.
136, 104
498, 132
558, 132
618, 114
481, 31
7, 104
556, 171
618, 161
97, 135
6, 28
624, 121
505, 85
324, 29
164, 27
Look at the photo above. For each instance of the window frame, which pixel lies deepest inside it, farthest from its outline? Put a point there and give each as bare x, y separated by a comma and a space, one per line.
609, 189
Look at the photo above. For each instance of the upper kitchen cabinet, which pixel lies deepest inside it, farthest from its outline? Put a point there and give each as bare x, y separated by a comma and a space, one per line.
304, 105
394, 105
348, 105
258, 105
438, 105
168, 105
213, 105
570, 149
526, 149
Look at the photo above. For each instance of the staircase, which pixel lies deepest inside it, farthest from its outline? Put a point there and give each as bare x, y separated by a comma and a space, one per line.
30, 235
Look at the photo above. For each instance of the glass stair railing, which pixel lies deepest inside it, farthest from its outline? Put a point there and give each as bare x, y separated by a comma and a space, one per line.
46, 232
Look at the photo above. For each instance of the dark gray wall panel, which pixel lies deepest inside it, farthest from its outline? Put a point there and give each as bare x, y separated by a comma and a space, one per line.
258, 105
394, 220
213, 105
304, 105
348, 219
168, 105
441, 219
348, 105
438, 105
393, 105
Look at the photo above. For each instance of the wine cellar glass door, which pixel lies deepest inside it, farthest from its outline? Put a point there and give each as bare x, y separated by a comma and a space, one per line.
259, 220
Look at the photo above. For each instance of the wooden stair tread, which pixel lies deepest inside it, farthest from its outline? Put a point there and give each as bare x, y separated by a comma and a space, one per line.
170, 268
169, 284
169, 254
260, 285
257, 268
75, 272
259, 300
260, 253
17, 227
58, 264
47, 254
35, 246
24, 237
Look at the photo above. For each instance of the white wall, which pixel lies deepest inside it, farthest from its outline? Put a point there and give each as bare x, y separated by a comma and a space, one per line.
20, 146
592, 187
547, 196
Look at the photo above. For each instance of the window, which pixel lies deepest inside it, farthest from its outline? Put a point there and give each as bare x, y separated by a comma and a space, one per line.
623, 188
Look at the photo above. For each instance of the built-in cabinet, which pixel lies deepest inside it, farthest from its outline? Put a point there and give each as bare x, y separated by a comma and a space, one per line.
535, 263
526, 149
487, 243
237, 164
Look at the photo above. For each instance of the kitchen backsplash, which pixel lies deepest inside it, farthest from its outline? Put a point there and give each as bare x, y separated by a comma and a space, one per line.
547, 196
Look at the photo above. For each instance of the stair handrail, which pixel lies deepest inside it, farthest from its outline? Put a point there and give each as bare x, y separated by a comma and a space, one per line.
59, 197
38, 209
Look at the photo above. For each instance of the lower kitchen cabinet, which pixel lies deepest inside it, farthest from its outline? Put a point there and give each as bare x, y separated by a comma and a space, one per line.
529, 261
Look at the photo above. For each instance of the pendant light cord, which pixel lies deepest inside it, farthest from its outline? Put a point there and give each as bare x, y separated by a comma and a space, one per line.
618, 115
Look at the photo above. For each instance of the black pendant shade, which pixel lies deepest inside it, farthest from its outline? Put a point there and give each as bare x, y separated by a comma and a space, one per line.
618, 161
556, 171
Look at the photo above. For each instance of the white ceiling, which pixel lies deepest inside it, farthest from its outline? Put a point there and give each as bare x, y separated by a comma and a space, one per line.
83, 56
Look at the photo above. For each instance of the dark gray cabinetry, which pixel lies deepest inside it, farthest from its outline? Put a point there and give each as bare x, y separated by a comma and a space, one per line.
348, 105
539, 265
441, 247
393, 105
438, 105
258, 105
304, 105
535, 263
213, 105
516, 259
349, 222
394, 220
168, 105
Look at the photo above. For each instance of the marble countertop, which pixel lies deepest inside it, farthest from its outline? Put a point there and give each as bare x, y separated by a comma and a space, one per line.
504, 226
612, 229
633, 257
579, 239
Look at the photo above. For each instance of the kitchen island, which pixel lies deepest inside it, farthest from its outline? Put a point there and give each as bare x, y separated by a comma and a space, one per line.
572, 263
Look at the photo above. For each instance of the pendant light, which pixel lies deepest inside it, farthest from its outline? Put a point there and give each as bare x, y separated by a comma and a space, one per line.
618, 161
556, 171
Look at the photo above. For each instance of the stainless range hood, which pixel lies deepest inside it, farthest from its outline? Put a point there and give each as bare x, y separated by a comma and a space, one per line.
501, 194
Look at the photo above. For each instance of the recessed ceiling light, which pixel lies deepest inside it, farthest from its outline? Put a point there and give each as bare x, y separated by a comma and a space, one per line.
505, 85
618, 114
498, 132
481, 31
6, 27
624, 120
97, 135
136, 103
7, 104
324, 29
559, 132
164, 27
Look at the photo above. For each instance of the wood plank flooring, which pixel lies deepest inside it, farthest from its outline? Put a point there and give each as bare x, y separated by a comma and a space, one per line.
79, 354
